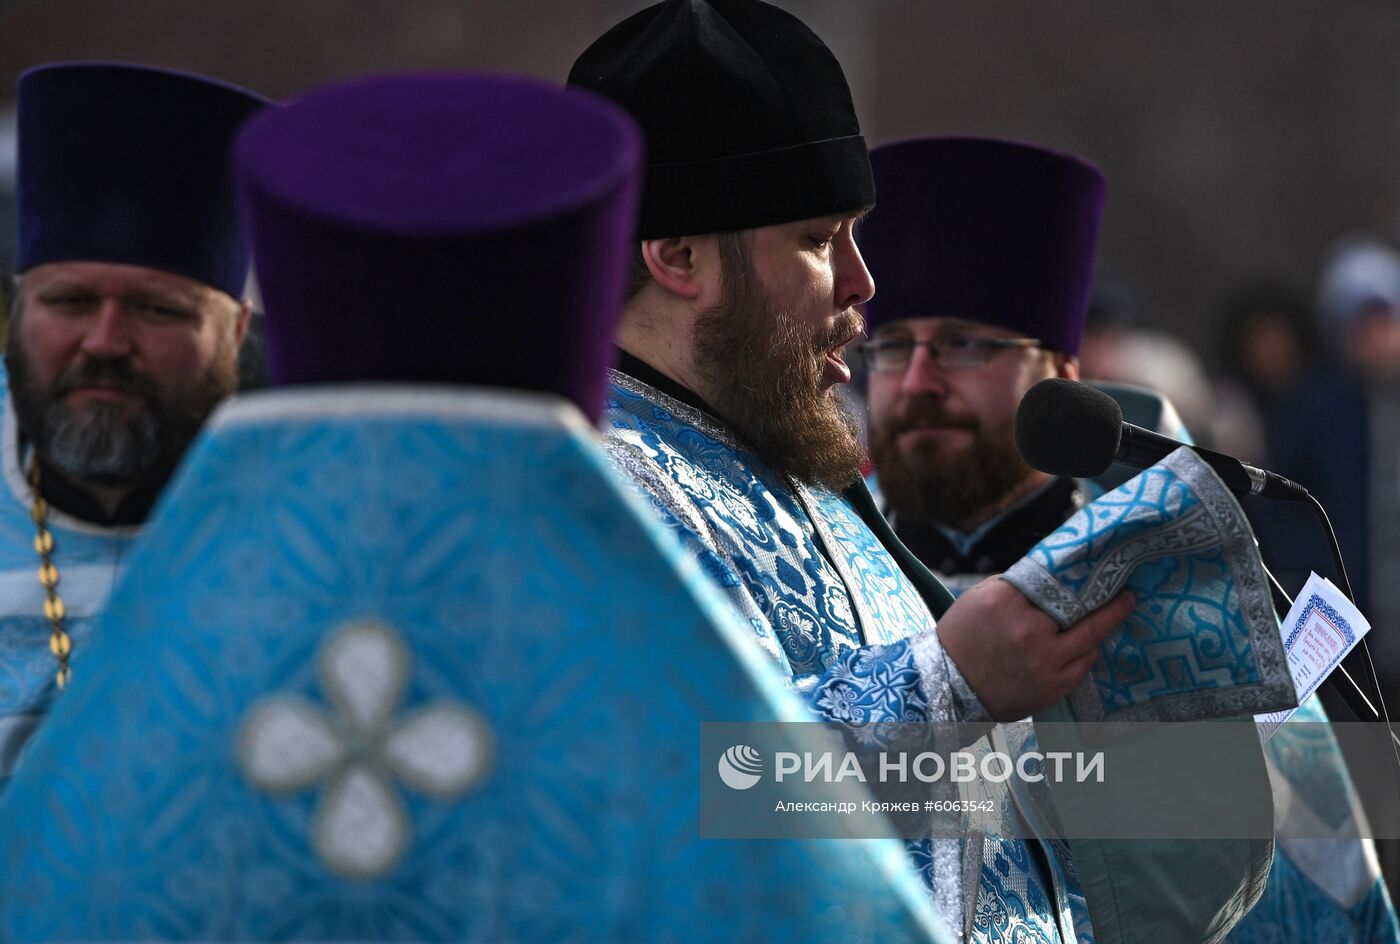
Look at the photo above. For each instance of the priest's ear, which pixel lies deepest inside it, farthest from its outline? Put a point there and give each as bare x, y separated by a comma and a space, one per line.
683, 265
242, 320
1066, 365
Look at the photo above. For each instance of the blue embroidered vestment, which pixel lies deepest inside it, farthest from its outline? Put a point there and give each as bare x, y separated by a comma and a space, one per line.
832, 608
88, 558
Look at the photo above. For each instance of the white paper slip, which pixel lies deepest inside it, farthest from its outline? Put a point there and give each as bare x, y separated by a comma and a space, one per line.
1321, 628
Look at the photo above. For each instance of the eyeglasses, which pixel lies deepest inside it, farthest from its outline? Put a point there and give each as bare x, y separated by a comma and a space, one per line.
892, 355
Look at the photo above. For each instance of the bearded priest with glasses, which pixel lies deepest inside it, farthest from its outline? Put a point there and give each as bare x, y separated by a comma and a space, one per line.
1003, 235
984, 250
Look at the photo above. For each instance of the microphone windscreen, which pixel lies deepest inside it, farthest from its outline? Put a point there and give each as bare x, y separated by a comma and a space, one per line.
1068, 428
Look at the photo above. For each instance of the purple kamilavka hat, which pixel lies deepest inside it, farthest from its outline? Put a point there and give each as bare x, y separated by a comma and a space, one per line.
987, 230
131, 164
443, 228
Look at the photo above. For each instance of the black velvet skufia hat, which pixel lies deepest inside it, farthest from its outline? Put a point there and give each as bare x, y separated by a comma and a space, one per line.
747, 116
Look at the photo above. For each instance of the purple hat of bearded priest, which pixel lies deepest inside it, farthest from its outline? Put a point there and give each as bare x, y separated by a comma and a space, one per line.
984, 230
443, 228
131, 165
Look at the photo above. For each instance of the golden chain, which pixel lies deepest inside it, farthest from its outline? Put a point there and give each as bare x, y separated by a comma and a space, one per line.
59, 643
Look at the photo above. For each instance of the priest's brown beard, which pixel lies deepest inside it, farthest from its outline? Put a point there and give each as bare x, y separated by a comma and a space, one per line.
960, 491
763, 370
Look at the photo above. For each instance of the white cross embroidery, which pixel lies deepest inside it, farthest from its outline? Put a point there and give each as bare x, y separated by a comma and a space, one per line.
287, 744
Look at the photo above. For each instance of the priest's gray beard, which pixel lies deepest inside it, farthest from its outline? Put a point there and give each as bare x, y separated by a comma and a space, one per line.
763, 370
959, 491
100, 444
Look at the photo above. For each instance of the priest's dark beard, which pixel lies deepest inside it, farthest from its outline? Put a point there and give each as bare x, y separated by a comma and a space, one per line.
959, 492
763, 376
101, 445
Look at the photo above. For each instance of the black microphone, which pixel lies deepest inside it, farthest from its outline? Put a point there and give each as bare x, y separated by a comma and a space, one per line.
1068, 428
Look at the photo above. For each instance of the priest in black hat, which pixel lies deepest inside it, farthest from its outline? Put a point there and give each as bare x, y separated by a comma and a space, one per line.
723, 411
124, 335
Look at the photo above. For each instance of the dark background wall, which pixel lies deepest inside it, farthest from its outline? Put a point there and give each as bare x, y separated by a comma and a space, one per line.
1240, 137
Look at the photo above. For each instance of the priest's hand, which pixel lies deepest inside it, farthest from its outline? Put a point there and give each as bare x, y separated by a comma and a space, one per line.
1015, 657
